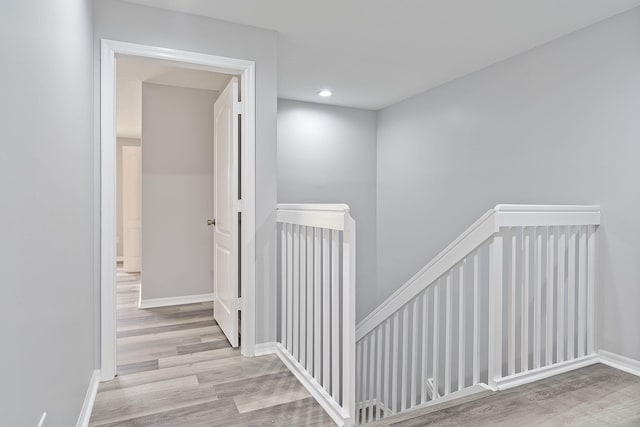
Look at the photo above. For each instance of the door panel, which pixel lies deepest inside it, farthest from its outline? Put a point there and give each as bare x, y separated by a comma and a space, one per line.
131, 208
225, 210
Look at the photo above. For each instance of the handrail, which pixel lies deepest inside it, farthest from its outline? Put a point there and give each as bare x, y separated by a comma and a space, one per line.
318, 278
323, 215
502, 215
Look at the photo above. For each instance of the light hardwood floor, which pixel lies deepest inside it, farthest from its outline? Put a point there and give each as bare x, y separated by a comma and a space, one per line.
593, 396
176, 368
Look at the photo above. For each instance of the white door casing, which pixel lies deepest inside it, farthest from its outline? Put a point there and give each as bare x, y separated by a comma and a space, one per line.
131, 208
106, 176
225, 211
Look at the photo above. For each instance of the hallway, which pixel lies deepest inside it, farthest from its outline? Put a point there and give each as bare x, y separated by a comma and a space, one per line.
176, 368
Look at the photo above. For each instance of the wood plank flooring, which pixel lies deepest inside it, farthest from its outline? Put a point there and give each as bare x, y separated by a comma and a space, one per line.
176, 368
593, 396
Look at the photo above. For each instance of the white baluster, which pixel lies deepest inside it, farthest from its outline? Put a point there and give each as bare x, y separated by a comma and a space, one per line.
335, 314
359, 382
511, 349
405, 357
436, 338
283, 284
591, 262
296, 290
326, 310
310, 299
290, 288
303, 296
378, 372
537, 301
582, 291
365, 380
414, 352
571, 295
317, 303
461, 327
372, 378
496, 289
561, 286
394, 364
476, 318
448, 329
424, 355
550, 291
524, 333
387, 363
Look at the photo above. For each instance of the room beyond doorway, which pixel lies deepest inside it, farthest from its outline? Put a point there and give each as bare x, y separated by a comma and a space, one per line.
241, 77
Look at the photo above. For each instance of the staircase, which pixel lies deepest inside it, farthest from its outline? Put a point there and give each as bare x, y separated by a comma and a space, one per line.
510, 301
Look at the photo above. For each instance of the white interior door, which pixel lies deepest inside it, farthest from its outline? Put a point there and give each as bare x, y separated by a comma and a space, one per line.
131, 208
225, 211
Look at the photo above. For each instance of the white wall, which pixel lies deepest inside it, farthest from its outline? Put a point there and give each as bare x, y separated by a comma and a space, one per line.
121, 142
46, 211
327, 154
177, 191
557, 124
127, 22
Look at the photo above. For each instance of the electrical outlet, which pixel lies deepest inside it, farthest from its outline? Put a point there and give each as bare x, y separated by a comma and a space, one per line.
42, 419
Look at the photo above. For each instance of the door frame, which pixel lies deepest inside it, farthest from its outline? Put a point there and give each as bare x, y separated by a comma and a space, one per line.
110, 49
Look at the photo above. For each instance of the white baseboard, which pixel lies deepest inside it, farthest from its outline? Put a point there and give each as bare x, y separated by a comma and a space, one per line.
317, 391
167, 302
264, 348
545, 372
618, 361
89, 399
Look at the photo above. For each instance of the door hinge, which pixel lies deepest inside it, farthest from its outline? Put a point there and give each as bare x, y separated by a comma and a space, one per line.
239, 303
237, 107
239, 205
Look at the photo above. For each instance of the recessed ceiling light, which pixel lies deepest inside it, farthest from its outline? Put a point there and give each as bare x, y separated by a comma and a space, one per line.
325, 93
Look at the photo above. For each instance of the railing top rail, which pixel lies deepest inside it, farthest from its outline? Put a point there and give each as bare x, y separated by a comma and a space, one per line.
502, 215
321, 215
546, 215
321, 207
546, 208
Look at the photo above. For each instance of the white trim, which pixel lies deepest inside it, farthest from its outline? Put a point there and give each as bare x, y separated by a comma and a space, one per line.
478, 233
331, 216
169, 301
264, 348
374, 402
544, 372
618, 361
320, 394
194, 60
89, 399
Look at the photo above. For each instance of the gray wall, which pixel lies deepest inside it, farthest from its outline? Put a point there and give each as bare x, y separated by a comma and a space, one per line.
328, 155
121, 142
177, 191
557, 124
46, 211
117, 20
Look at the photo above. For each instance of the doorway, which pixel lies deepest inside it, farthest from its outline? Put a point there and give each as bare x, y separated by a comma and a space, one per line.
234, 258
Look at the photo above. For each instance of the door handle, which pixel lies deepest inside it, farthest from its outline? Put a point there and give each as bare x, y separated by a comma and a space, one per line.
211, 222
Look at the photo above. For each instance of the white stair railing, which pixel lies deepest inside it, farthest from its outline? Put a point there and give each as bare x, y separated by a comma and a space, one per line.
510, 301
317, 302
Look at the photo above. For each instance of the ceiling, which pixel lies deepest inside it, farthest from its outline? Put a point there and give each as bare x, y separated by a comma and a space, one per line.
132, 72
373, 53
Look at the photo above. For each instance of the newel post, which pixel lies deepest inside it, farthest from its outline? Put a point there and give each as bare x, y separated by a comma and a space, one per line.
496, 269
349, 321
